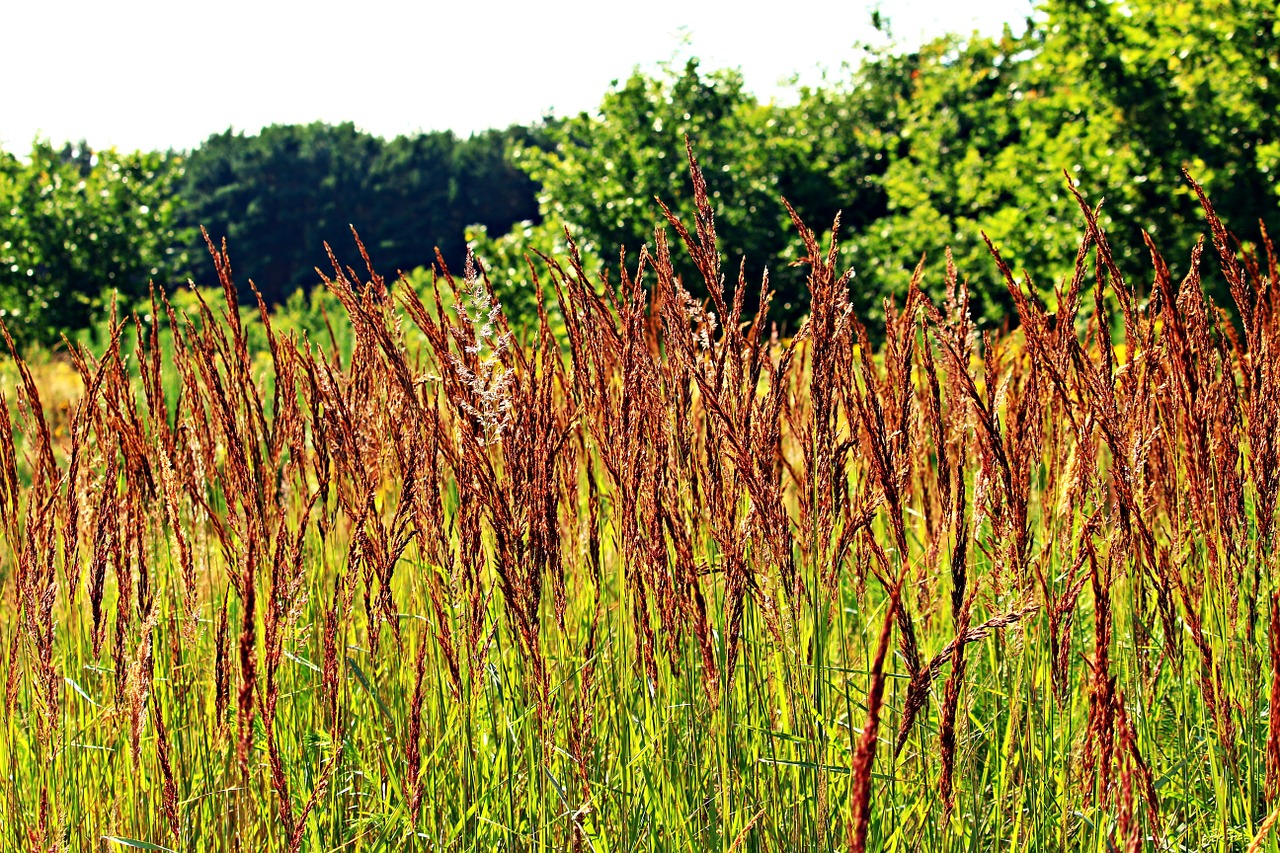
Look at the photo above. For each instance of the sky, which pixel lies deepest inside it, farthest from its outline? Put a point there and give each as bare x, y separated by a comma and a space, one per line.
157, 74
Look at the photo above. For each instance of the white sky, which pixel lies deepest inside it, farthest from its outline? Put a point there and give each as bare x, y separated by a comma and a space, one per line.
155, 74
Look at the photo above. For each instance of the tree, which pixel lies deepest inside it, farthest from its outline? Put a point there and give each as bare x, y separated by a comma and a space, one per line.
851, 129
82, 226
602, 177
492, 190
1121, 97
1192, 85
970, 158
280, 195
822, 155
277, 197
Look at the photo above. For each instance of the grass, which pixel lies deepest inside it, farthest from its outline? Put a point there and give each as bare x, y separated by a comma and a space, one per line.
660, 582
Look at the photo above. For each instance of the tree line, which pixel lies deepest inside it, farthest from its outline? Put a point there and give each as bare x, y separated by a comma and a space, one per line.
86, 226
916, 148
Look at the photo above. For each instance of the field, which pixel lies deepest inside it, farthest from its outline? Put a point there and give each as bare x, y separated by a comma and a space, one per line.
651, 577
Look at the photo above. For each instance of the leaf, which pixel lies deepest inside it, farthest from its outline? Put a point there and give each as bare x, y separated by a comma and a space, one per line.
805, 765
77, 688
301, 661
364, 682
135, 843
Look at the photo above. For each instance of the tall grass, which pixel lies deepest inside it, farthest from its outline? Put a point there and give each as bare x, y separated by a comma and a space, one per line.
661, 582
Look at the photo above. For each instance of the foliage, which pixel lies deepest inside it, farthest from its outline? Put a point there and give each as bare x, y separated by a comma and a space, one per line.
82, 227
936, 146
513, 263
279, 196
609, 166
918, 149
1121, 97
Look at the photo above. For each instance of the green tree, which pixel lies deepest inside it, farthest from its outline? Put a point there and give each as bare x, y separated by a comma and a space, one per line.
278, 196
851, 129
413, 184
82, 226
969, 159
1191, 85
823, 155
492, 191
1121, 97
606, 169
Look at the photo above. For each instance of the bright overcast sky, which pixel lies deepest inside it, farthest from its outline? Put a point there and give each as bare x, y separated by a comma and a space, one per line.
167, 73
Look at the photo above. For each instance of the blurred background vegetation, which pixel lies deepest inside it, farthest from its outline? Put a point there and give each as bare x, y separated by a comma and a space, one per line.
918, 147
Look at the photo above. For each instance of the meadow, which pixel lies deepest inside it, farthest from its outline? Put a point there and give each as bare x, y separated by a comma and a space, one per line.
651, 576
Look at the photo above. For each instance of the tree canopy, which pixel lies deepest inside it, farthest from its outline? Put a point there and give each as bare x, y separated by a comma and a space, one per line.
80, 227
280, 195
608, 167
1121, 98
936, 146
